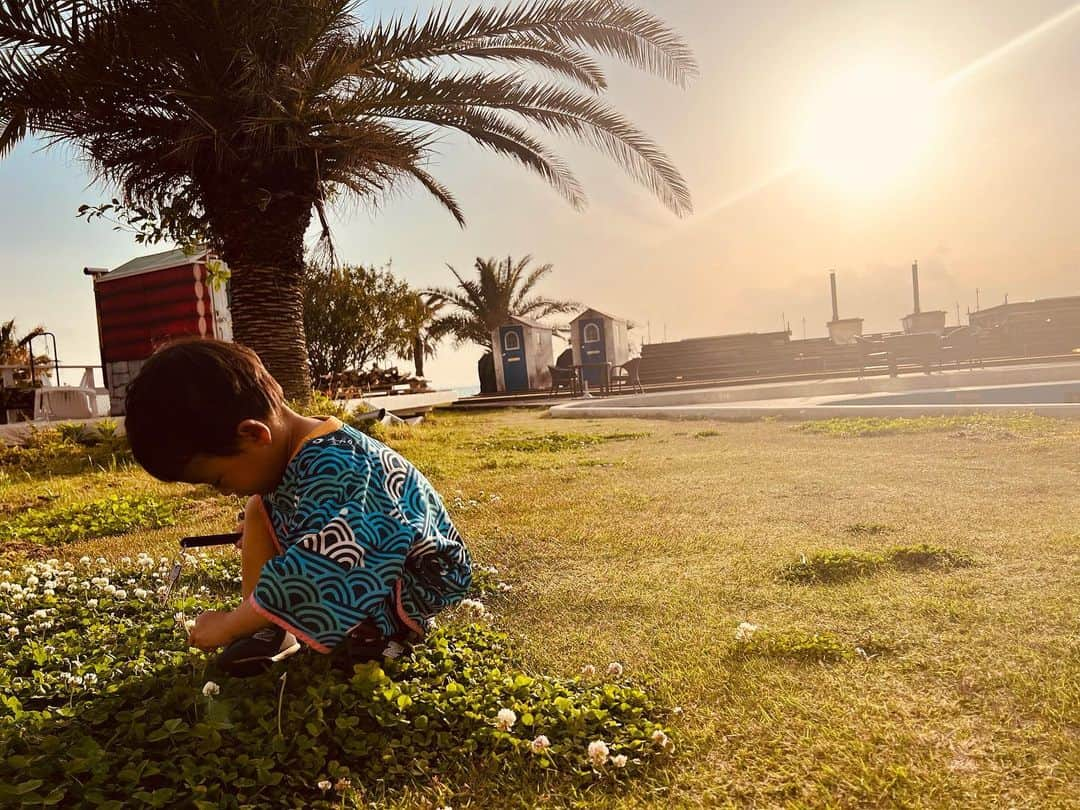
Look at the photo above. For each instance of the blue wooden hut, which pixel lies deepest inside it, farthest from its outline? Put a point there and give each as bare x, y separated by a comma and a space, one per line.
522, 355
600, 342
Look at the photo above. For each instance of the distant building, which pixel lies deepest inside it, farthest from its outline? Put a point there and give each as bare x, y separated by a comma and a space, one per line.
151, 300
1063, 311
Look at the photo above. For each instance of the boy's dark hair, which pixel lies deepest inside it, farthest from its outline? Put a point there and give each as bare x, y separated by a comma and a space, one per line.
188, 399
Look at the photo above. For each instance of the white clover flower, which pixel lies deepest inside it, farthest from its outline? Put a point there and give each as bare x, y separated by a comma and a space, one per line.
474, 606
504, 587
89, 679
342, 784
745, 631
210, 689
110, 589
13, 631
48, 592
5, 617
120, 593
598, 752
69, 566
125, 560
614, 669
40, 614
101, 561
541, 744
588, 670
663, 741
323, 785
505, 720
490, 569
92, 603
141, 594
52, 561
189, 624
84, 560
677, 711
32, 581
619, 761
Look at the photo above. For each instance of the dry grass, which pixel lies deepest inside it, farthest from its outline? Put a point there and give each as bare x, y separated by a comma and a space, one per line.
650, 549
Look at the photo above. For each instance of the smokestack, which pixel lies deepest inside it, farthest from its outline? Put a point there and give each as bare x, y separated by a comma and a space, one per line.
832, 284
915, 284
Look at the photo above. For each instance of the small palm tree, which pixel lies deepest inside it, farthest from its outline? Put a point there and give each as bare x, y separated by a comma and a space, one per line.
15, 351
500, 289
243, 118
425, 339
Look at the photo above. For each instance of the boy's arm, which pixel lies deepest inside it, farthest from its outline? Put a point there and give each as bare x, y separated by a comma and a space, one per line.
216, 628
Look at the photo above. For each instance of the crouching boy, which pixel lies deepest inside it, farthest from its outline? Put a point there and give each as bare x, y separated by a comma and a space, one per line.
346, 546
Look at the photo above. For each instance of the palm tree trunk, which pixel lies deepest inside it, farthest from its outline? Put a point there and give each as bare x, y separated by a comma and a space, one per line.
265, 253
267, 316
418, 355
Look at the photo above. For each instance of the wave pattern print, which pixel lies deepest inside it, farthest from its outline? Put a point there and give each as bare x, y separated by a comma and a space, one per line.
355, 518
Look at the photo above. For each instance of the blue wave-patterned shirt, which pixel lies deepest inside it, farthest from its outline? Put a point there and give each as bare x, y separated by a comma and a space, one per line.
362, 535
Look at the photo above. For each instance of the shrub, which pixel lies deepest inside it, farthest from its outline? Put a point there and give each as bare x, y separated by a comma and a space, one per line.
550, 442
867, 528
832, 566
844, 566
1010, 425
66, 450
910, 558
102, 704
793, 645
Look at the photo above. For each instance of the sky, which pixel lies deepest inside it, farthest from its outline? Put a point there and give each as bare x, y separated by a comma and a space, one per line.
848, 136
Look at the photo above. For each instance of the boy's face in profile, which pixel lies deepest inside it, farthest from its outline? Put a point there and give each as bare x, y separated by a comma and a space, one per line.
254, 468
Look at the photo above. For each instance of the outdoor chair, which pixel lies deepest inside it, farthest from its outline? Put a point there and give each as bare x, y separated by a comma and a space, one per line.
963, 345
562, 378
627, 374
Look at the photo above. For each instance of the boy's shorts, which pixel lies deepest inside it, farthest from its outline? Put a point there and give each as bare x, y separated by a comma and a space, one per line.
365, 643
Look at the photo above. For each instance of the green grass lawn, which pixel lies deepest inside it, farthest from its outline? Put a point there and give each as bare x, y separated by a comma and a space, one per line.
648, 543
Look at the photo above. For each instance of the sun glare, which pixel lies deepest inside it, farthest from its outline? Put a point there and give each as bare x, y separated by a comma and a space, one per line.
868, 128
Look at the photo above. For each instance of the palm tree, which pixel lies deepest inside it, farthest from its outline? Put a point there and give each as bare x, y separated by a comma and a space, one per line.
501, 289
425, 339
16, 352
247, 116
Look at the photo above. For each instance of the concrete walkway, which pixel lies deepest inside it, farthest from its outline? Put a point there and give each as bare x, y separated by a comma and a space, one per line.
821, 399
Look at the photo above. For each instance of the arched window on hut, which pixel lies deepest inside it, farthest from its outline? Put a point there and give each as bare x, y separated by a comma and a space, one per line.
511, 342
591, 333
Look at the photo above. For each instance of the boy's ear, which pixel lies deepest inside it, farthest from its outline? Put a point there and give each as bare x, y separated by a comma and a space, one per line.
252, 430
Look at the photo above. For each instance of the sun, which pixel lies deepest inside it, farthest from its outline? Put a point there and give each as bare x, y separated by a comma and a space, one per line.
869, 127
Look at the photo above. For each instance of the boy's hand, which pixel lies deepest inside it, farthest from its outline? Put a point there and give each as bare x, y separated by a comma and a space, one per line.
216, 628
212, 630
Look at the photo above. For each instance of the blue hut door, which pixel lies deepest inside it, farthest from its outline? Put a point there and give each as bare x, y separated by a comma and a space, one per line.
592, 350
515, 374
